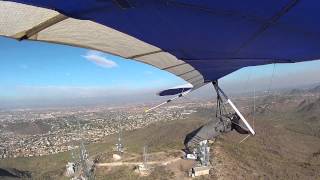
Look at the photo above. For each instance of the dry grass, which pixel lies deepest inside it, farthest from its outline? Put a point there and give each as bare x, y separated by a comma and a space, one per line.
286, 146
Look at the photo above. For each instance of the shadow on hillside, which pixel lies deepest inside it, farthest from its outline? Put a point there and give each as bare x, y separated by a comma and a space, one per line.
14, 173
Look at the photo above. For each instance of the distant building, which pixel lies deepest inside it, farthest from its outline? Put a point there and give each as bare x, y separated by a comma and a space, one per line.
70, 169
199, 171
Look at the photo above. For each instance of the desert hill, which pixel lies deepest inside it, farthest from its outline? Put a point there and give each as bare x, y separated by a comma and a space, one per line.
286, 146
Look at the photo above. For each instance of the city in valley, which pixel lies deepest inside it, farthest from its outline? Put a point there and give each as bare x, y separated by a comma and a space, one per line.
27, 133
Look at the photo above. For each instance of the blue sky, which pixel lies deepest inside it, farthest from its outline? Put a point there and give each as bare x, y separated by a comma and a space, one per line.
36, 64
31, 69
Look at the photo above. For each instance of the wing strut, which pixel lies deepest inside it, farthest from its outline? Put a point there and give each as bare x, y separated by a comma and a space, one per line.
176, 97
228, 101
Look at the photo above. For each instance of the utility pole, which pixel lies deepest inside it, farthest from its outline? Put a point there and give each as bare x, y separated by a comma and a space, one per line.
145, 157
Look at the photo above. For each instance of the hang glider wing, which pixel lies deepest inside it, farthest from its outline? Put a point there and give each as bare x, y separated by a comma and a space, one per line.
173, 91
185, 88
199, 41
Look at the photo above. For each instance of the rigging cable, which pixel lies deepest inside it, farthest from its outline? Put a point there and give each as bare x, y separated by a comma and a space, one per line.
269, 93
253, 115
249, 77
271, 80
270, 85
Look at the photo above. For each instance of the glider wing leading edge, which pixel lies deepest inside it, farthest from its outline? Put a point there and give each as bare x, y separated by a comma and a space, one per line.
199, 41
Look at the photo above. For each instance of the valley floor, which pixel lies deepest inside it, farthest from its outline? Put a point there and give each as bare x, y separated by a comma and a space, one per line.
286, 146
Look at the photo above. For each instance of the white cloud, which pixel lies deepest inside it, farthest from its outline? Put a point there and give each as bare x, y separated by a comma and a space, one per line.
98, 58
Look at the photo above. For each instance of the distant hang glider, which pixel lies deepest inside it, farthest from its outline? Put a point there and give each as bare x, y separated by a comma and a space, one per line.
182, 90
199, 41
176, 90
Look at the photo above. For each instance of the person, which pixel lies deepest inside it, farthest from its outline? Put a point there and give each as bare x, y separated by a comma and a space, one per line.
213, 129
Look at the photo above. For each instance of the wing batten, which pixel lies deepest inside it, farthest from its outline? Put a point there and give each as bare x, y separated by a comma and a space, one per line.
36, 29
57, 28
144, 54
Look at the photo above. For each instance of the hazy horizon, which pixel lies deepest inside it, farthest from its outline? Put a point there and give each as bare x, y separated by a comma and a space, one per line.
36, 74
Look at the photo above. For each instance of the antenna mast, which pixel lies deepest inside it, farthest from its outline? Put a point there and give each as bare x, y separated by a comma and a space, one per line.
145, 157
119, 145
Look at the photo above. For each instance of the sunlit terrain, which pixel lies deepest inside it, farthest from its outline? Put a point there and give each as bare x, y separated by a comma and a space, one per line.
39, 143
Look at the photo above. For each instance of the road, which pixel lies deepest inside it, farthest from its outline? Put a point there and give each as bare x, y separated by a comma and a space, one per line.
136, 163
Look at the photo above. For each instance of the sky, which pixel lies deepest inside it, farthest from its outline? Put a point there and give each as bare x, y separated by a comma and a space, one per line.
37, 71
